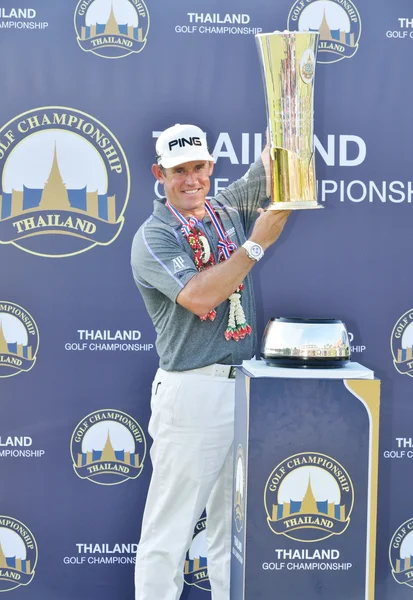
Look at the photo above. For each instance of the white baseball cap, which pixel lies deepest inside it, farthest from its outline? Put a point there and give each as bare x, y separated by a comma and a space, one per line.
180, 144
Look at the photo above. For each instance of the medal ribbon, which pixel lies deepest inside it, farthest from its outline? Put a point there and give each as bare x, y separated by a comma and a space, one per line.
187, 225
225, 248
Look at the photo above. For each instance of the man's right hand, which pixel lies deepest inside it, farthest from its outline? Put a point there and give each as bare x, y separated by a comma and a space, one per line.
268, 226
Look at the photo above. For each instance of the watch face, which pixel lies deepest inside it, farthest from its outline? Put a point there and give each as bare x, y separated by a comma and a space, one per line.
255, 251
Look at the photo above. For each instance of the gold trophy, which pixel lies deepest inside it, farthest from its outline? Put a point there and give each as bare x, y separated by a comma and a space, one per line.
288, 61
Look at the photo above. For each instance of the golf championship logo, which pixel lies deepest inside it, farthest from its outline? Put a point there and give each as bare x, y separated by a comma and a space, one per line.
65, 182
401, 554
402, 344
18, 554
337, 22
112, 28
19, 339
196, 568
308, 497
108, 447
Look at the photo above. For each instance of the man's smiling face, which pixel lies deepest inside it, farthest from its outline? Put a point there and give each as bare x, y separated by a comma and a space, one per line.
186, 185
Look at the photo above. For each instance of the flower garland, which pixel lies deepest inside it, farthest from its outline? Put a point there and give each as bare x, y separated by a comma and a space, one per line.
238, 327
203, 259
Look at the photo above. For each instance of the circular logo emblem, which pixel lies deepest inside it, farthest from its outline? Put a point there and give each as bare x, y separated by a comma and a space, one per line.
239, 489
108, 447
18, 554
196, 567
308, 497
401, 554
19, 339
307, 66
337, 22
64, 182
112, 28
402, 344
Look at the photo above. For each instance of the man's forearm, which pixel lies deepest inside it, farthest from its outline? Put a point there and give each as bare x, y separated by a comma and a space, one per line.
209, 288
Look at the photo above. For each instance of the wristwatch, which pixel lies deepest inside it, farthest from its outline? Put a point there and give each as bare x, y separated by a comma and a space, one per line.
253, 250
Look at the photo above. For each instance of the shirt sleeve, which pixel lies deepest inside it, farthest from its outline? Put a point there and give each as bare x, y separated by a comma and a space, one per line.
159, 261
247, 194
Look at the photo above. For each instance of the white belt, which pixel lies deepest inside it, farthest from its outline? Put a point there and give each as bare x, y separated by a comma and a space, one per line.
216, 370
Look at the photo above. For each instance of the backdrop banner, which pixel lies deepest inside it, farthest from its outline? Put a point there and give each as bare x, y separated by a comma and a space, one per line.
87, 86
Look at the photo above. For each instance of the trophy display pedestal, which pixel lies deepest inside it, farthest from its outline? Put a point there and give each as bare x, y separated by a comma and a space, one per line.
292, 205
305, 483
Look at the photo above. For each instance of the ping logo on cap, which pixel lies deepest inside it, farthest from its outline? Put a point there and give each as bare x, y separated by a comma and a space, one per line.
182, 142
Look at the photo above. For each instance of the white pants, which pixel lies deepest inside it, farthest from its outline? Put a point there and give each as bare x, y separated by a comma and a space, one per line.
192, 425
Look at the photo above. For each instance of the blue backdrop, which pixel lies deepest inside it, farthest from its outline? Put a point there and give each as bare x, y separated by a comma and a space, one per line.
86, 88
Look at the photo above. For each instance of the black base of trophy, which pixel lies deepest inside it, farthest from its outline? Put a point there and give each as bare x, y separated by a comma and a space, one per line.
305, 363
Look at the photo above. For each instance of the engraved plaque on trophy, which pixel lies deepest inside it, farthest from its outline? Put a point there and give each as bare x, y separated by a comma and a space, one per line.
288, 61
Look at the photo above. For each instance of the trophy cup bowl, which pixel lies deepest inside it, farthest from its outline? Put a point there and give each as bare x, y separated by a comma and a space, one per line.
288, 61
314, 343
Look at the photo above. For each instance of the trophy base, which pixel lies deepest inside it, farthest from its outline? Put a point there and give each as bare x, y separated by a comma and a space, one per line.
304, 362
293, 205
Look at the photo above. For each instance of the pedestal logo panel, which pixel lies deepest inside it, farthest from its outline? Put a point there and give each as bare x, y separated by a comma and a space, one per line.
308, 497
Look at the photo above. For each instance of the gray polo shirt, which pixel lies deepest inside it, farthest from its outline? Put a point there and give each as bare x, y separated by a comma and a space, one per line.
162, 264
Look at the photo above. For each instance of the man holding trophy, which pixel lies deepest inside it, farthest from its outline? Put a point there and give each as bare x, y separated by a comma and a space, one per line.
191, 262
